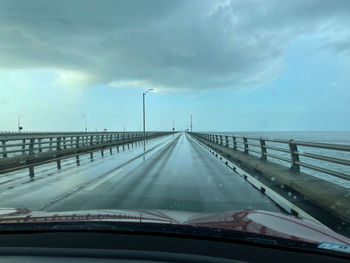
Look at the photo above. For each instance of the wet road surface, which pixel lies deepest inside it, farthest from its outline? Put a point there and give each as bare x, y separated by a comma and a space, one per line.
172, 172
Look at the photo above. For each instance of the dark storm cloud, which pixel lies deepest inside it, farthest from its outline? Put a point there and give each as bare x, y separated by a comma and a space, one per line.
168, 44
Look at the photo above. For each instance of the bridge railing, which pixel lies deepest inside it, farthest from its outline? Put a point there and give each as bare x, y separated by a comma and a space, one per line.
310, 155
22, 150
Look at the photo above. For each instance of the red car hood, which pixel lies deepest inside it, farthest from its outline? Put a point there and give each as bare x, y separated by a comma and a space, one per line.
252, 221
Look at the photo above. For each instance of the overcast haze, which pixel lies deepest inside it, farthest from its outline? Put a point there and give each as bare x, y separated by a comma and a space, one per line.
234, 65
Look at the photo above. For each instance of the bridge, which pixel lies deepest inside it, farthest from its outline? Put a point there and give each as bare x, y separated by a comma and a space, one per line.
203, 172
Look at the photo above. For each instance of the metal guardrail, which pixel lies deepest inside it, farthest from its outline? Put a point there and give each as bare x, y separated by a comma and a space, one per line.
26, 150
286, 151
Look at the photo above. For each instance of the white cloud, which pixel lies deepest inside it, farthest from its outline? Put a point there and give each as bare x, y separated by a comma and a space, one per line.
72, 79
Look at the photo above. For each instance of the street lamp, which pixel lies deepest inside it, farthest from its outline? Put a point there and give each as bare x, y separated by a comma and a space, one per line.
191, 121
19, 121
144, 121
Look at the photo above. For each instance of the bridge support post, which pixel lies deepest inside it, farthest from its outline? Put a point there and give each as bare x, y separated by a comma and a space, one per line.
77, 142
102, 153
31, 146
31, 171
23, 146
58, 148
4, 154
91, 155
234, 142
294, 156
77, 160
31, 152
245, 142
263, 149
110, 150
40, 149
59, 164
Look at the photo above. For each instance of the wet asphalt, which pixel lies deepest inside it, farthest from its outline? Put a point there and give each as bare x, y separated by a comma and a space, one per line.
173, 172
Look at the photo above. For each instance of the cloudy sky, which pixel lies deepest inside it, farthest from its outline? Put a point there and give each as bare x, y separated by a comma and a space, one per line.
241, 65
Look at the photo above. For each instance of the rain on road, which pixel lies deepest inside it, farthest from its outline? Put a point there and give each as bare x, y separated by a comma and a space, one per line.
172, 172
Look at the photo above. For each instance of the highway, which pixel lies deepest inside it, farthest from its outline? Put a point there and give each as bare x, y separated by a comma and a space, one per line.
172, 172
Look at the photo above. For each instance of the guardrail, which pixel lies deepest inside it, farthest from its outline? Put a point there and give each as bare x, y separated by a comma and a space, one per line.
282, 167
26, 150
288, 151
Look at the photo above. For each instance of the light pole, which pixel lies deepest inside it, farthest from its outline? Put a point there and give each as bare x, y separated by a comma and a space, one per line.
191, 121
19, 121
144, 121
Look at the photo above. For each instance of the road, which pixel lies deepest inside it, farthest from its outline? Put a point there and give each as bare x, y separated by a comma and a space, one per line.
172, 172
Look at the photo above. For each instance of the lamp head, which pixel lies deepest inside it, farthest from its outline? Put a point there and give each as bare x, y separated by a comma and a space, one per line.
147, 91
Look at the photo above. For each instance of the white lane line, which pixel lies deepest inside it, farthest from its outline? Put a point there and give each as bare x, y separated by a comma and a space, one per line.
93, 186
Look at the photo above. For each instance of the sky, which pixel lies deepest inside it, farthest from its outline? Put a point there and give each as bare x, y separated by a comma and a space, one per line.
240, 65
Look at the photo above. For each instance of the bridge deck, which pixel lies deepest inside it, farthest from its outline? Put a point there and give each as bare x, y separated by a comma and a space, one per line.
172, 172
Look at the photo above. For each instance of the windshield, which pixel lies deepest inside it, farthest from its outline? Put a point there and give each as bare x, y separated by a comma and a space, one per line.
222, 114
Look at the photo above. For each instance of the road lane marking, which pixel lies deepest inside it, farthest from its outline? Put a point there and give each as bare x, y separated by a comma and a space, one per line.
98, 183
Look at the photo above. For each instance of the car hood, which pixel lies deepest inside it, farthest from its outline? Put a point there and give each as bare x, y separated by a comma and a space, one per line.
250, 221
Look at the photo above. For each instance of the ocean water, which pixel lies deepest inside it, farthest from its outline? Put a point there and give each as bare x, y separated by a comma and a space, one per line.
333, 137
336, 137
